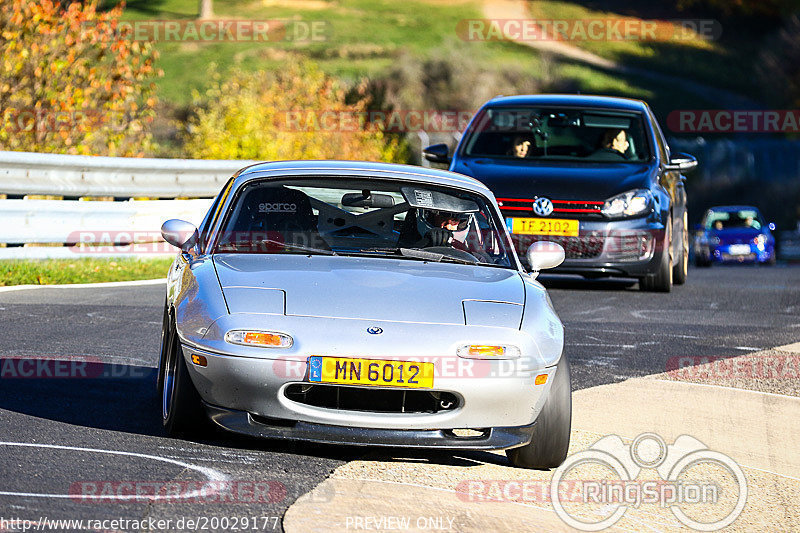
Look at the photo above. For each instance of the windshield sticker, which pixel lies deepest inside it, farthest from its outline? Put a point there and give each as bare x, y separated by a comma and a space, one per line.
423, 198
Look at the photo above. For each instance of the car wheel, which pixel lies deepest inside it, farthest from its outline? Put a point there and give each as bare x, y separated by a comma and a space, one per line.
661, 280
681, 268
165, 325
182, 412
702, 262
550, 443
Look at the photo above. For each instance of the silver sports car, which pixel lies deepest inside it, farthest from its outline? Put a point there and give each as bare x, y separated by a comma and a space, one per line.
363, 303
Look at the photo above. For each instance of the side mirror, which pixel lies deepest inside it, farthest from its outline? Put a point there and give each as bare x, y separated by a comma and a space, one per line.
179, 233
771, 226
544, 254
437, 153
681, 162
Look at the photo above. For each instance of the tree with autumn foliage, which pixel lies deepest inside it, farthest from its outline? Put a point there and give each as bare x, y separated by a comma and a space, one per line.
73, 81
297, 112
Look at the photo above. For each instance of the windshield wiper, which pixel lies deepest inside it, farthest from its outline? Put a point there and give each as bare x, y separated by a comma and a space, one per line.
299, 247
417, 253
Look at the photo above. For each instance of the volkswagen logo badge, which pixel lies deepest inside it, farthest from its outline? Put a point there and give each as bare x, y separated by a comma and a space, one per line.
542, 207
374, 330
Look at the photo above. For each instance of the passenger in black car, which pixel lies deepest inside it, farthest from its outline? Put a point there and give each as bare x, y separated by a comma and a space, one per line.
521, 146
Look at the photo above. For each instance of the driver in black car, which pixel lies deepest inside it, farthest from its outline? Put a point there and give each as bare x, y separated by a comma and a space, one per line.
613, 145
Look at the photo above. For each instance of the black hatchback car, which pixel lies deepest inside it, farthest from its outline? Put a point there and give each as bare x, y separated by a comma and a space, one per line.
591, 173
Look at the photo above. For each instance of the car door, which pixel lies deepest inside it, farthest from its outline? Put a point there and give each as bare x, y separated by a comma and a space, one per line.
673, 183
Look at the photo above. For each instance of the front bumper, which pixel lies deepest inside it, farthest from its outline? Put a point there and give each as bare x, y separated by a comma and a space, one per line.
624, 248
734, 253
247, 390
244, 423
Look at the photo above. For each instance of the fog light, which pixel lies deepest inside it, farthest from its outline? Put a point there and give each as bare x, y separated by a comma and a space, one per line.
199, 360
488, 351
541, 379
264, 339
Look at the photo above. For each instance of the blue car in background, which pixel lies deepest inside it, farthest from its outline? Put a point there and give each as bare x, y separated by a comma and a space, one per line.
734, 234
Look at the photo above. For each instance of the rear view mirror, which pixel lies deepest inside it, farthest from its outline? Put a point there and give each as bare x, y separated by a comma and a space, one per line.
179, 233
367, 199
542, 255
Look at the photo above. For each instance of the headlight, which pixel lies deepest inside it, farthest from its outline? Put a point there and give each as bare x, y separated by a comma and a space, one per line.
628, 204
263, 339
760, 240
488, 351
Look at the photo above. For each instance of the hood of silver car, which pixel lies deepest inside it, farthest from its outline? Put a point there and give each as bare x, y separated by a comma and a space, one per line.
370, 288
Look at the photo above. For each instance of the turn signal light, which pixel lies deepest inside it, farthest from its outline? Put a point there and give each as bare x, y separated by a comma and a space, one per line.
199, 360
541, 379
265, 339
488, 351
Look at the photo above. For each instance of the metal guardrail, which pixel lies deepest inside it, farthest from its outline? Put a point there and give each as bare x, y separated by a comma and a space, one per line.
77, 175
30, 221
62, 221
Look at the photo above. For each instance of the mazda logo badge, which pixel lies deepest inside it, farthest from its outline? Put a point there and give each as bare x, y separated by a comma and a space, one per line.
374, 330
542, 207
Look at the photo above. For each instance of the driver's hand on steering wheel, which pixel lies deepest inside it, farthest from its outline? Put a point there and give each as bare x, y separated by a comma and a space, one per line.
438, 237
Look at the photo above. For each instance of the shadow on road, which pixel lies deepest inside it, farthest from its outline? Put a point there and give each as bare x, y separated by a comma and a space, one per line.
123, 398
77, 393
582, 284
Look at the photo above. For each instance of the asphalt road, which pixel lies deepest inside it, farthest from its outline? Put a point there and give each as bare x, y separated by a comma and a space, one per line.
68, 425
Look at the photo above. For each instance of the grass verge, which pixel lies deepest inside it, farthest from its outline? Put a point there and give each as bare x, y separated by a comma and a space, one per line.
80, 270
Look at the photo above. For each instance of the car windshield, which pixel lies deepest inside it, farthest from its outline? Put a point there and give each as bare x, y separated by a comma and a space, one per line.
381, 218
742, 218
548, 133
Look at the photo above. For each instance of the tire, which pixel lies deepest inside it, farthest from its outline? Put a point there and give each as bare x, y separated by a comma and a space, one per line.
182, 412
701, 262
661, 280
550, 443
165, 326
681, 269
